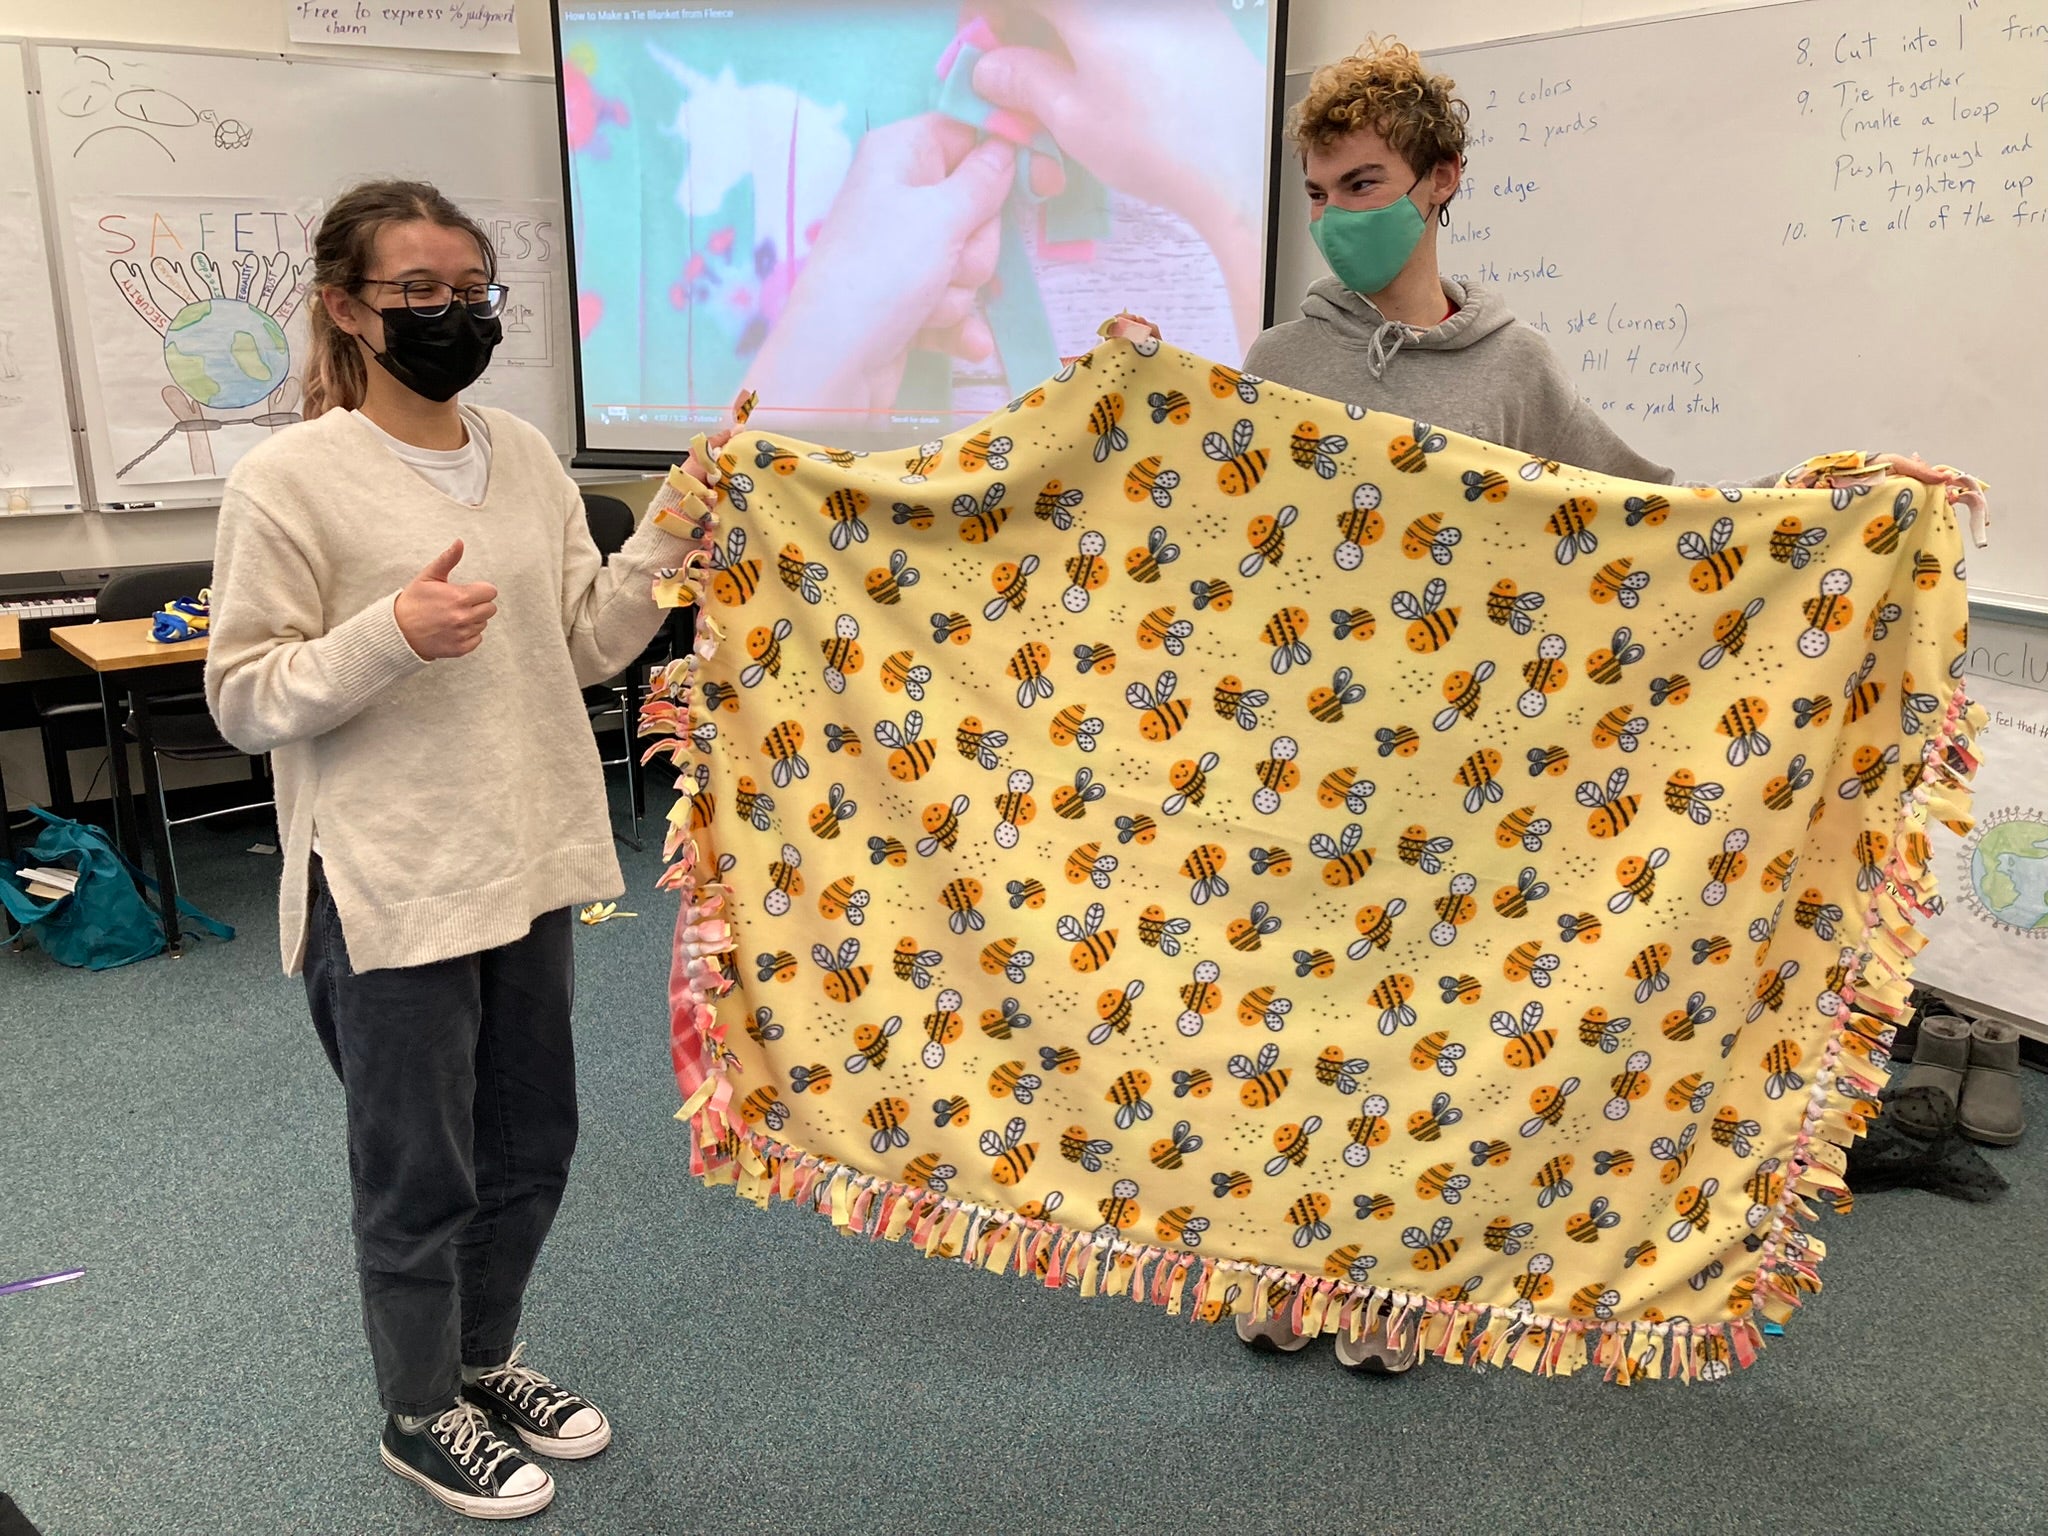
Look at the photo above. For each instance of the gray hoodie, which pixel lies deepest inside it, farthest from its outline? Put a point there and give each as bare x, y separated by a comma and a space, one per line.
1480, 373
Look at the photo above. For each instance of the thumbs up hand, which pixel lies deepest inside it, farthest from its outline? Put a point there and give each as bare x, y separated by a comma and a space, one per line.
442, 618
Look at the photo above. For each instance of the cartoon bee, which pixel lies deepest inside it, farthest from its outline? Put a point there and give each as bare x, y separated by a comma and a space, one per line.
1000, 1023
1306, 1216
1239, 704
1246, 934
911, 756
985, 450
1572, 523
843, 509
1915, 707
1815, 913
1369, 1129
1319, 963
1224, 382
1881, 619
887, 850
1139, 828
1143, 564
1147, 477
1522, 825
1212, 594
1432, 1249
1715, 563
1511, 608
941, 822
734, 578
1607, 664
1627, 1086
1648, 971
1681, 1024
1161, 715
1742, 723
917, 517
1732, 1131
1409, 451
1780, 1061
1479, 776
753, 807
1428, 537
1086, 572
902, 673
1545, 675
781, 746
1440, 1182
885, 584
1093, 945
1596, 1029
1392, 997
778, 966
1013, 1156
1375, 924
1651, 509
1770, 990
768, 456
942, 1027
1012, 581
1862, 691
1291, 1143
1779, 870
1105, 425
1015, 807
1313, 449
1461, 690
1397, 738
842, 738
1637, 875
1070, 802
764, 644
1882, 535
871, 1045
1088, 863
1264, 1079
923, 460
1431, 625
1618, 582
1114, 1010
1612, 808
962, 900
845, 979
1262, 1005
1160, 628
1241, 466
1578, 928
1726, 867
1161, 932
1711, 951
1527, 1041
1685, 795
1693, 1209
1512, 901
802, 576
1272, 861
1190, 780
1488, 483
1675, 689
1731, 634
1171, 406
1073, 726
1026, 668
1127, 1095
1345, 862
1077, 1146
954, 627
1548, 1102
978, 744
1005, 959
1277, 774
825, 818
1812, 711
1359, 525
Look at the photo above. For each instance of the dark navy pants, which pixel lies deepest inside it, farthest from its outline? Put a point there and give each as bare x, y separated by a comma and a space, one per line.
460, 1079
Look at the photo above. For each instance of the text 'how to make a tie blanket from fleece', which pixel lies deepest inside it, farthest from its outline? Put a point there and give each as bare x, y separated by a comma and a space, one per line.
1186, 839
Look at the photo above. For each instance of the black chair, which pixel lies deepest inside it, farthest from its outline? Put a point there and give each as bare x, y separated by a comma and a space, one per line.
181, 728
611, 523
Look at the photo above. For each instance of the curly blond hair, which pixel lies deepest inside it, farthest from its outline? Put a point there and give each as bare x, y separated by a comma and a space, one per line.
1386, 87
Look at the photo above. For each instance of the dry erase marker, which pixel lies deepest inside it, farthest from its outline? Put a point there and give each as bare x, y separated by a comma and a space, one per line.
42, 1280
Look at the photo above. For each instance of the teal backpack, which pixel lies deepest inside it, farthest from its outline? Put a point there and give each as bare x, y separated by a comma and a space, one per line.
107, 921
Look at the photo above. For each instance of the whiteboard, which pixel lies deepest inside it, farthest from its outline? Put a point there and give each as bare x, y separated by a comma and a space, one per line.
1742, 261
185, 190
37, 469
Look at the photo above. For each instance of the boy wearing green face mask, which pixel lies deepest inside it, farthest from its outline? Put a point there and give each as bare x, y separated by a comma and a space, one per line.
1382, 142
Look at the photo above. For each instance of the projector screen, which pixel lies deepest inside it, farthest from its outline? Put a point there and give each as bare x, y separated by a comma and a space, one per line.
890, 217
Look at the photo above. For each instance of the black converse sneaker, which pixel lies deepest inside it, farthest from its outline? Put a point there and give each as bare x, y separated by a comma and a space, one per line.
467, 1465
552, 1420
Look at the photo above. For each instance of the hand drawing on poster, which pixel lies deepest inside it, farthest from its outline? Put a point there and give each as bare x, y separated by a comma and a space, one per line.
192, 304
126, 114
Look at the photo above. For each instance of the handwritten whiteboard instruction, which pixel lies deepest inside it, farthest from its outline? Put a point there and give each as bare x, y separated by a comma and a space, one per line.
469, 27
194, 310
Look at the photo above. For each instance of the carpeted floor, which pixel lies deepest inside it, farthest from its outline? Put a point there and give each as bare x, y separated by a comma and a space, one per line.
173, 1127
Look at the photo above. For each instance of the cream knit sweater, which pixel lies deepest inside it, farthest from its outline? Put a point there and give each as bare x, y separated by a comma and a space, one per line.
457, 800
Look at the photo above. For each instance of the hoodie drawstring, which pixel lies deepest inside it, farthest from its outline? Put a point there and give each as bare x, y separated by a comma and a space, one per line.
1379, 352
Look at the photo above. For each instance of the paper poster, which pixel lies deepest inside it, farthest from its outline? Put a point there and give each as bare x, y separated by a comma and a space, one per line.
35, 428
472, 26
194, 309
529, 373
1990, 945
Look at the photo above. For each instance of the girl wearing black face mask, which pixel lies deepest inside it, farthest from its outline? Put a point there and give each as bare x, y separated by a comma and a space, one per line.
441, 805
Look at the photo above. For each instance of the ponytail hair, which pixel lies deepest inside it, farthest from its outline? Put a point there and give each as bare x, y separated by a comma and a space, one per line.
335, 376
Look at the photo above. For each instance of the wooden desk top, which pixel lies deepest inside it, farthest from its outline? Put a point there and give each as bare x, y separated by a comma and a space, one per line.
124, 646
10, 637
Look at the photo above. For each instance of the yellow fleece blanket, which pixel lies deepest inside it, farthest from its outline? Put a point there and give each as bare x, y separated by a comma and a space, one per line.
1187, 839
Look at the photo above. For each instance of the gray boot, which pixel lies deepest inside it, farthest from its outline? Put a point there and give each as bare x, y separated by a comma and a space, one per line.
1939, 1061
1990, 1106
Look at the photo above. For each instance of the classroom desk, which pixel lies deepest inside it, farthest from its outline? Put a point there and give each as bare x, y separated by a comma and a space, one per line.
129, 664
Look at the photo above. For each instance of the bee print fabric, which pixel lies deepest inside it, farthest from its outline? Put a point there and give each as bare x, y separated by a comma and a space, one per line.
1186, 839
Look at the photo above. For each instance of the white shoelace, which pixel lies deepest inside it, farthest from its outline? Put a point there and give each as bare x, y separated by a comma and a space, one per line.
525, 1386
468, 1434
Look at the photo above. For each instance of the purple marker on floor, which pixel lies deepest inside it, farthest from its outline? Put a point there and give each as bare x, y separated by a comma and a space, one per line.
42, 1280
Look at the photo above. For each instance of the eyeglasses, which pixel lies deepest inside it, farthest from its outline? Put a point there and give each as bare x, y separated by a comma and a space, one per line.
430, 296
